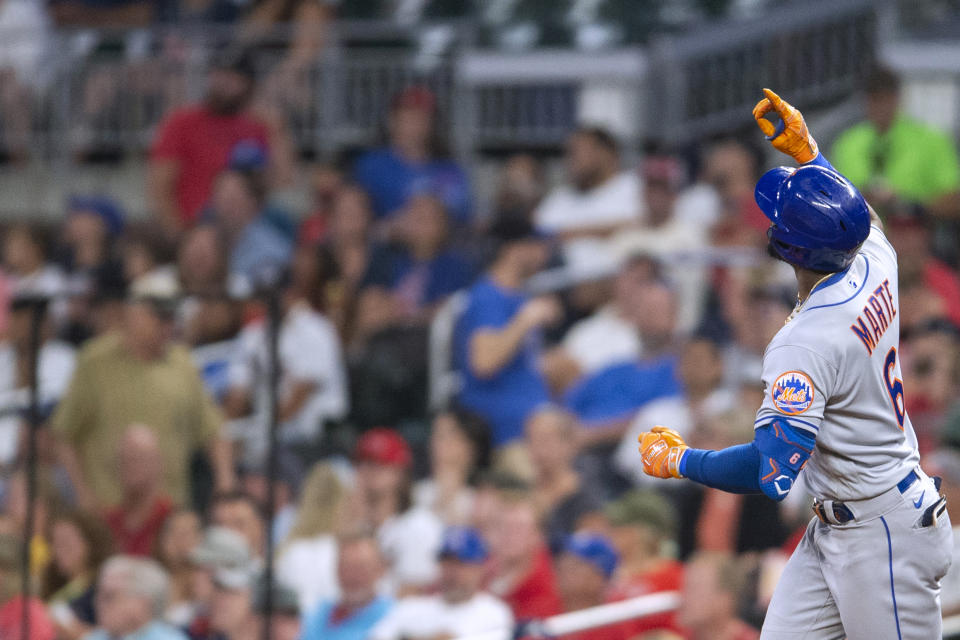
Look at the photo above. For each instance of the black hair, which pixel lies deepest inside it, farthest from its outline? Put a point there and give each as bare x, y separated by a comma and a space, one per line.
477, 431
882, 80
601, 137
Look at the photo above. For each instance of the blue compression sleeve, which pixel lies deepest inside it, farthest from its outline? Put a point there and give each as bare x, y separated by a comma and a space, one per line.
734, 469
821, 161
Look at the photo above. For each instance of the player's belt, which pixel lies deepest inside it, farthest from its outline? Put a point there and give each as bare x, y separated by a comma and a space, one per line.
836, 512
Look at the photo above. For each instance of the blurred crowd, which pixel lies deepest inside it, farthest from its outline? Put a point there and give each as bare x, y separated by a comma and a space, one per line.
459, 387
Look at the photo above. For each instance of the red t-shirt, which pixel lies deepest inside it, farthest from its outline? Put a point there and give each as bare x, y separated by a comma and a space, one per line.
536, 596
667, 576
11, 615
201, 142
139, 541
943, 281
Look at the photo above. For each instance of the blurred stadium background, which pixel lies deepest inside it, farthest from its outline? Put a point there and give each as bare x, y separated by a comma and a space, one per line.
401, 176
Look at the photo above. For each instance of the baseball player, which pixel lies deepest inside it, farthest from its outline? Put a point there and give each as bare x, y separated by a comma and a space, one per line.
870, 562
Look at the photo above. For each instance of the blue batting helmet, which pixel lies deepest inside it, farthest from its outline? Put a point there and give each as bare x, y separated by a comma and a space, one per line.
819, 218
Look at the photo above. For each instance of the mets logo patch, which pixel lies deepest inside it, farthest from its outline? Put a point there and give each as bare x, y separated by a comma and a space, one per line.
792, 393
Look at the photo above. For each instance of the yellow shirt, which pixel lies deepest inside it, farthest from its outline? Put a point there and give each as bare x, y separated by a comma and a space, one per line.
111, 389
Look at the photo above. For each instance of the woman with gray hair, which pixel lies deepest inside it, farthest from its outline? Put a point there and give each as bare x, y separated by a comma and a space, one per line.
131, 599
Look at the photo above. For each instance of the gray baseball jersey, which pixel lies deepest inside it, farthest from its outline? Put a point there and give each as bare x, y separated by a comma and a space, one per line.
833, 371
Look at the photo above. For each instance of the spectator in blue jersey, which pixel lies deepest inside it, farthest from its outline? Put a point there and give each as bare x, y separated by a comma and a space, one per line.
351, 617
497, 340
413, 161
405, 281
606, 399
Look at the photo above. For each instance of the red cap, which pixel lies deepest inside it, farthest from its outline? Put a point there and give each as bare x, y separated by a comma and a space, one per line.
383, 446
416, 97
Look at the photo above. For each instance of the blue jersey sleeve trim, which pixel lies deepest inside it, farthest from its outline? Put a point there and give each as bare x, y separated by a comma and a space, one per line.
734, 469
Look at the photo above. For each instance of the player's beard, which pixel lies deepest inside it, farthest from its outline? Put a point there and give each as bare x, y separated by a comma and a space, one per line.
773, 252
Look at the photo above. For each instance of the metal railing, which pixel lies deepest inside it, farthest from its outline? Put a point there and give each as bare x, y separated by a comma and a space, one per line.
106, 91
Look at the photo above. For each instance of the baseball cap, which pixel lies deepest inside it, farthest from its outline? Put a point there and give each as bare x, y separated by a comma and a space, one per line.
593, 549
285, 599
643, 508
221, 548
415, 97
464, 544
248, 155
236, 578
383, 446
159, 288
106, 208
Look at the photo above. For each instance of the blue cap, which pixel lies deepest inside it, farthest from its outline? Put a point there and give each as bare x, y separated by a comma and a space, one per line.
463, 544
595, 549
109, 211
248, 155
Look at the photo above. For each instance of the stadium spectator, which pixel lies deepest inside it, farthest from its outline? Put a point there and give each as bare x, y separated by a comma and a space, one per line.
80, 544
669, 237
326, 181
231, 609
521, 570
347, 247
238, 511
193, 144
180, 534
360, 567
562, 498
712, 587
131, 600
413, 161
11, 599
929, 288
137, 375
312, 382
597, 199
56, 364
26, 255
408, 279
313, 539
221, 549
202, 262
891, 156
731, 168
284, 621
520, 187
91, 13
48, 502
382, 501
137, 520
460, 607
642, 525
211, 325
584, 571
25, 26
459, 451
930, 360
701, 394
607, 399
254, 243
497, 338
608, 336
143, 250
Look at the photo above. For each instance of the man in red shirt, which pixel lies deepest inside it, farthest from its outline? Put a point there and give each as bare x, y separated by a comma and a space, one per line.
522, 574
640, 523
194, 143
712, 586
137, 520
11, 602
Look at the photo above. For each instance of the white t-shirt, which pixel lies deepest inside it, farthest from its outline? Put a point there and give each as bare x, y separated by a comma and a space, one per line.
410, 543
674, 412
427, 617
601, 340
309, 352
309, 567
57, 360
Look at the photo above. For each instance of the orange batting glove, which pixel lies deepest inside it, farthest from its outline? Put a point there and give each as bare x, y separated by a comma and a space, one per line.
661, 449
793, 138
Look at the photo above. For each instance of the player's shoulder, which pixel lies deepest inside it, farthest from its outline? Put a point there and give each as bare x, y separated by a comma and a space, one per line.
805, 340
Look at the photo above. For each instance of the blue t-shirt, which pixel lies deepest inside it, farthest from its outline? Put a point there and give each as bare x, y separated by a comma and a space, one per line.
507, 398
391, 181
319, 626
615, 393
260, 245
394, 268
